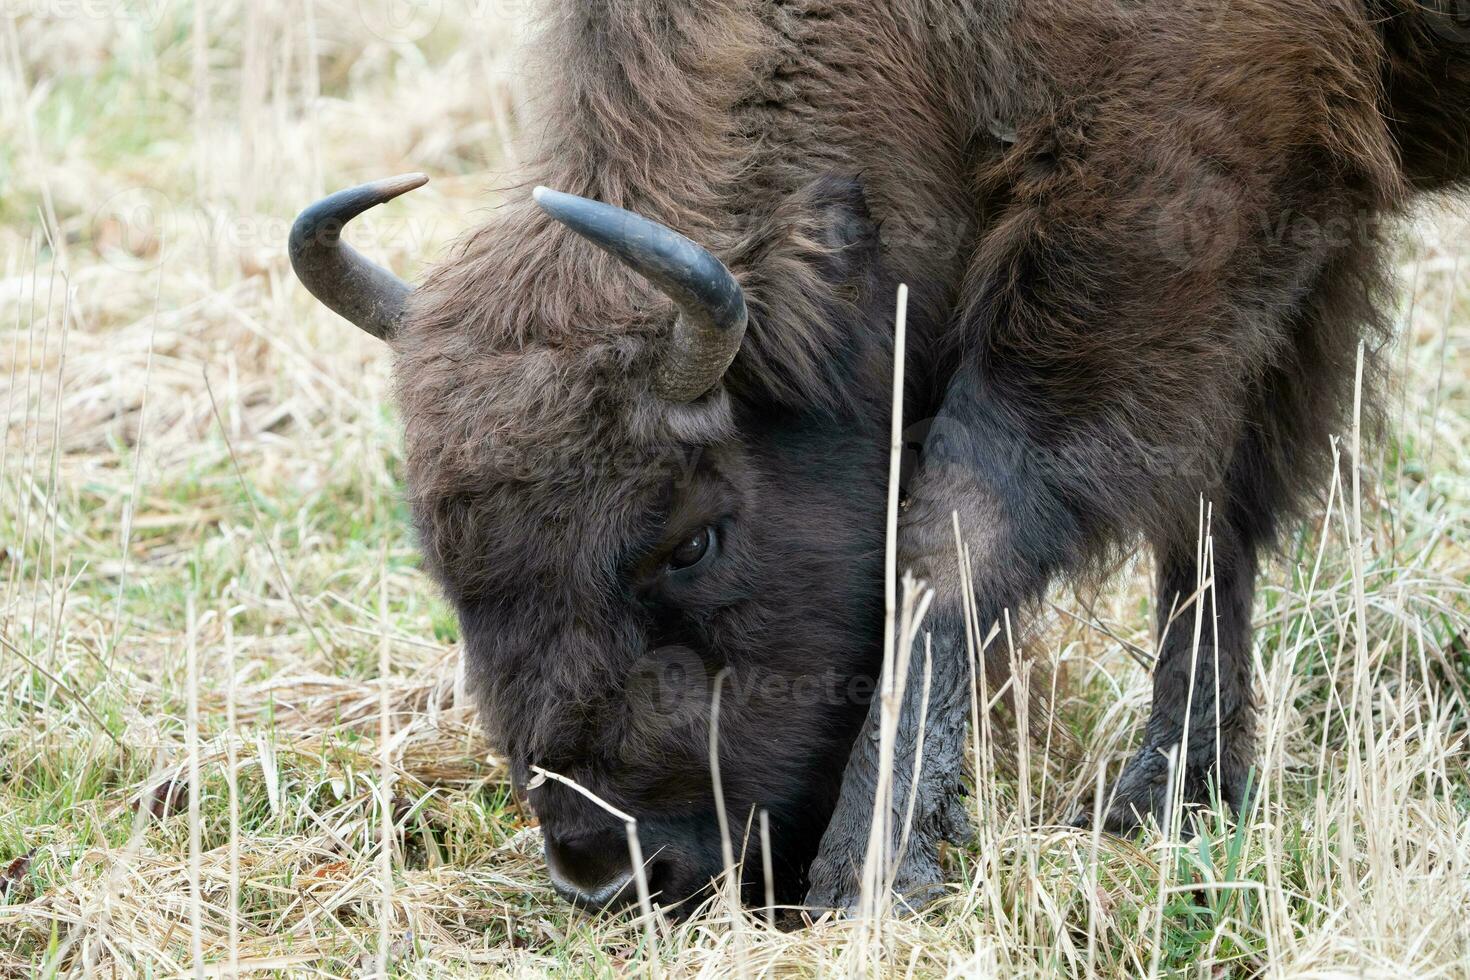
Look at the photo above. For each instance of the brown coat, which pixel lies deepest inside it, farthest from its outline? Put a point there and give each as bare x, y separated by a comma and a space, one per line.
1145, 241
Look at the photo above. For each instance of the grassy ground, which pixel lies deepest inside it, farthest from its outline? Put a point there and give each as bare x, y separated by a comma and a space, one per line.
199, 478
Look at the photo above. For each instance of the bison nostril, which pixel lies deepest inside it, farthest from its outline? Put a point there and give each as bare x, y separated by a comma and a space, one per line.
608, 895
590, 870
662, 884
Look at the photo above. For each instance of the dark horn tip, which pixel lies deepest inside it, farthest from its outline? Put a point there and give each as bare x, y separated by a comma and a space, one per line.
343, 206
365, 294
403, 183
388, 188
569, 209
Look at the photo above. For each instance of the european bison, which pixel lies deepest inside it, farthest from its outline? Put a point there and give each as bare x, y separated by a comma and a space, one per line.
1144, 246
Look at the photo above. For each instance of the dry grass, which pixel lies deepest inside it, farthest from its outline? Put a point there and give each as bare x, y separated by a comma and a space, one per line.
151, 155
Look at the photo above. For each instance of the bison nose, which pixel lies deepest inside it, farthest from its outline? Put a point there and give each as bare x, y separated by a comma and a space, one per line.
591, 871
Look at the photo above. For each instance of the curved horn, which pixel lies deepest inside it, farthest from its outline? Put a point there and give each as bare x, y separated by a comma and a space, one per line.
712, 314
366, 294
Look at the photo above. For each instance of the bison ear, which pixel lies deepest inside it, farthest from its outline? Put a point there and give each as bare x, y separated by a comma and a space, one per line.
840, 222
821, 303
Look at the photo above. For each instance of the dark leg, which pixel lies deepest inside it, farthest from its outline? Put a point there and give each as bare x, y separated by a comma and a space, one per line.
1019, 536
1206, 639
939, 812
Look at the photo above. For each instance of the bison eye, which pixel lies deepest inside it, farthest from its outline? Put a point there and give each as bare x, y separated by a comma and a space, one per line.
693, 550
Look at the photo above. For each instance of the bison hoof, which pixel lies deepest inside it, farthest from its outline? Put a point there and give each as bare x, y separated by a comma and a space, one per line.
903, 902
1142, 792
918, 883
833, 889
915, 898
1122, 818
836, 879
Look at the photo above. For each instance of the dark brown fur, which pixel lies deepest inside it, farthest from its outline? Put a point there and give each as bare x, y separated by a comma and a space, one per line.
1145, 242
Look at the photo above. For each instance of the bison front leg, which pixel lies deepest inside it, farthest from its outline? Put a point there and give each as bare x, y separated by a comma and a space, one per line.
975, 470
1202, 685
938, 808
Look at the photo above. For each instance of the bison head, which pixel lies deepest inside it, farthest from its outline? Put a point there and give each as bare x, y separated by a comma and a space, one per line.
639, 476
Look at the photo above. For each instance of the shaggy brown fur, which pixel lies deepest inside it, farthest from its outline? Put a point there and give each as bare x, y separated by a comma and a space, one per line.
1144, 242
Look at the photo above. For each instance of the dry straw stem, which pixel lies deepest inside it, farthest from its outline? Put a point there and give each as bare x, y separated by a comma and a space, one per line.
385, 783
127, 269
